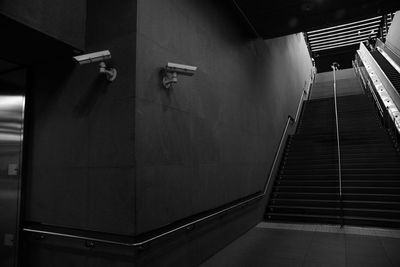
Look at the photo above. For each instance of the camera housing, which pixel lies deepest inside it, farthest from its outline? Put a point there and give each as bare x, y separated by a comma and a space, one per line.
172, 70
181, 69
101, 56
93, 57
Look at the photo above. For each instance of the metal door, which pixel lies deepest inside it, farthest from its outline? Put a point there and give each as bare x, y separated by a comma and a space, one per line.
12, 103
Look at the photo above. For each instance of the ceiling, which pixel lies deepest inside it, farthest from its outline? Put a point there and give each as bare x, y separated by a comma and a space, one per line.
320, 20
6, 66
23, 45
269, 19
340, 43
347, 34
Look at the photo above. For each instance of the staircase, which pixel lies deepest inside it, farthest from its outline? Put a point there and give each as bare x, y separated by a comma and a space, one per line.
307, 187
347, 84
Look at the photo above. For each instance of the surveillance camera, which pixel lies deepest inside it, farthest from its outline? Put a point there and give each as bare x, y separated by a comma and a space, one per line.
111, 73
93, 57
180, 69
172, 70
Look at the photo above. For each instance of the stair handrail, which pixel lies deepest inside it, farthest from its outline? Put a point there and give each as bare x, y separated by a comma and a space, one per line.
290, 120
367, 88
189, 225
335, 68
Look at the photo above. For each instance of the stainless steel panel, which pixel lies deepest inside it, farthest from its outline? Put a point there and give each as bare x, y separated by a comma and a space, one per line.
11, 134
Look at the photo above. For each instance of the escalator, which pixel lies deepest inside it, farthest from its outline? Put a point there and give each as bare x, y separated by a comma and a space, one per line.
391, 73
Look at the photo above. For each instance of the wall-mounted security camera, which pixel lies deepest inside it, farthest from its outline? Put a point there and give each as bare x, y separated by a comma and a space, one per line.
101, 56
93, 57
172, 70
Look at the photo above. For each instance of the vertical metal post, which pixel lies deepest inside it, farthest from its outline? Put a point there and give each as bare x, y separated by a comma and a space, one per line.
334, 68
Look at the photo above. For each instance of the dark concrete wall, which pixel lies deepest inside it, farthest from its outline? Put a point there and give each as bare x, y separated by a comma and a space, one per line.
80, 139
130, 157
80, 145
62, 19
393, 37
212, 138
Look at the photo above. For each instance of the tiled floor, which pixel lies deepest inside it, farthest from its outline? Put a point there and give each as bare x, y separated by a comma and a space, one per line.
311, 245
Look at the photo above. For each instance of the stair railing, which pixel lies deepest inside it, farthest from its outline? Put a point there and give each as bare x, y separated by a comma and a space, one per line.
290, 121
136, 242
335, 68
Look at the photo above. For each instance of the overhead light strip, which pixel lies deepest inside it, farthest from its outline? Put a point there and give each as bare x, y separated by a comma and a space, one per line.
344, 39
375, 23
352, 35
347, 24
369, 28
339, 43
336, 46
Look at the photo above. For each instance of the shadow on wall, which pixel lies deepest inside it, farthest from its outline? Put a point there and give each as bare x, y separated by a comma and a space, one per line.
98, 88
52, 76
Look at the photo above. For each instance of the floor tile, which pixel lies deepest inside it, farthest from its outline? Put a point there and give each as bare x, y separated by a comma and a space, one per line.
364, 245
311, 246
365, 251
368, 262
327, 249
323, 263
356, 230
392, 249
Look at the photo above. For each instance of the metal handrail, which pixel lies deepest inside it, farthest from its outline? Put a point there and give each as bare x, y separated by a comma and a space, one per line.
143, 243
334, 68
367, 86
388, 118
289, 120
363, 53
300, 105
189, 225
390, 48
387, 84
271, 173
